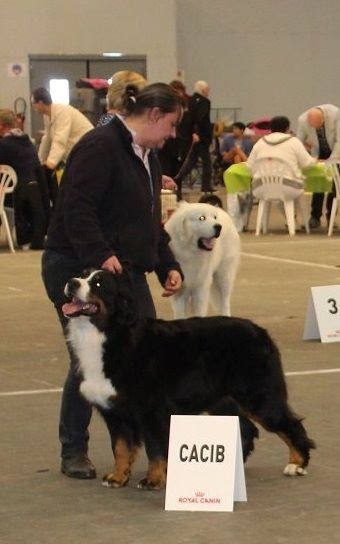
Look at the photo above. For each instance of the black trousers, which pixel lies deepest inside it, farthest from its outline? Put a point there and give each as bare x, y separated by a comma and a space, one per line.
30, 215
317, 204
318, 198
52, 185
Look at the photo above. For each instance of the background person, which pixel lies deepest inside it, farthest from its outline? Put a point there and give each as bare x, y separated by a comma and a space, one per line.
116, 92
30, 199
235, 147
174, 152
281, 144
319, 130
63, 128
199, 112
109, 211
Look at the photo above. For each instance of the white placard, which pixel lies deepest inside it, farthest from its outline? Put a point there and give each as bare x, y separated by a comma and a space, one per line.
16, 69
323, 314
205, 464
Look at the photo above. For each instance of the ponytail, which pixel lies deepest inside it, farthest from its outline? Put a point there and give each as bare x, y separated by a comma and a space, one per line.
157, 95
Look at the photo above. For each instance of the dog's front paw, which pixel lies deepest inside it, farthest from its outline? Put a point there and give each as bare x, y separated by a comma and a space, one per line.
150, 485
115, 481
294, 470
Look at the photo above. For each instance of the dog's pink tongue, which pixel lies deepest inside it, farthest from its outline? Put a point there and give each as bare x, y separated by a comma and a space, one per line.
70, 308
208, 242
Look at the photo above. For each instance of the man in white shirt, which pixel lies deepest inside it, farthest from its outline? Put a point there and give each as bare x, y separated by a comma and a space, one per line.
63, 128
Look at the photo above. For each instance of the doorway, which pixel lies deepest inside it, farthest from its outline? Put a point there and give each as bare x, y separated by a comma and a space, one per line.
72, 68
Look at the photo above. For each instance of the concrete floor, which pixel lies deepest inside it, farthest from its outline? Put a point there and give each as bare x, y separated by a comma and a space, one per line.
39, 505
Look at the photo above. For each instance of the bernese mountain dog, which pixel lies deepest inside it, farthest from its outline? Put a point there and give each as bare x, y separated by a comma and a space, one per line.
138, 372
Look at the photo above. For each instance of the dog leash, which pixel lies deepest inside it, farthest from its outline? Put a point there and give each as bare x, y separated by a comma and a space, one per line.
179, 176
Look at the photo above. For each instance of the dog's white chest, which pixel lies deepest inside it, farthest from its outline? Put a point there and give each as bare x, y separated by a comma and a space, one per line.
87, 342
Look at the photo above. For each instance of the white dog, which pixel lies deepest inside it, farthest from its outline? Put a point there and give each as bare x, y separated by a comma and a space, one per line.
205, 242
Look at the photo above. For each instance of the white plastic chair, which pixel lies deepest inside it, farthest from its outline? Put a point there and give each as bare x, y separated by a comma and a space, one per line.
8, 181
333, 166
275, 181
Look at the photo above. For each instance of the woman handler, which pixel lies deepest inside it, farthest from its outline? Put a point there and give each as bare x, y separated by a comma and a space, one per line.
109, 211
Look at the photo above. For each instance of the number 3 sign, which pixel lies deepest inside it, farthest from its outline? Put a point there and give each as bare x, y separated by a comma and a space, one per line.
323, 314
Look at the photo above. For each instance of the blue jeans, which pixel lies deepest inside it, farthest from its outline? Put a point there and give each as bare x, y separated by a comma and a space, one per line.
75, 413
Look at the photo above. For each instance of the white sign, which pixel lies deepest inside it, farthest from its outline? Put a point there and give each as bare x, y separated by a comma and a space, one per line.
205, 464
16, 69
323, 314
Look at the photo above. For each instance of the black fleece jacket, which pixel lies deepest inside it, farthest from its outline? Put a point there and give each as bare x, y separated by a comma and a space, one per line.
17, 151
106, 207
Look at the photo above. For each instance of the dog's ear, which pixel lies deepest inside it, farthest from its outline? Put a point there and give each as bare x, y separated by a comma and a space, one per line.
126, 305
180, 229
86, 272
176, 226
183, 230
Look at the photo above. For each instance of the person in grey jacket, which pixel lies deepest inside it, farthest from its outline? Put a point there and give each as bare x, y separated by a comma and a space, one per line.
109, 213
319, 131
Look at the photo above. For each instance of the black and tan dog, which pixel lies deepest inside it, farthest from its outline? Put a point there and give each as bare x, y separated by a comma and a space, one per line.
139, 372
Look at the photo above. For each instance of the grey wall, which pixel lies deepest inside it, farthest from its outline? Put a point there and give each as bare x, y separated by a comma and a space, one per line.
266, 56
85, 27
269, 57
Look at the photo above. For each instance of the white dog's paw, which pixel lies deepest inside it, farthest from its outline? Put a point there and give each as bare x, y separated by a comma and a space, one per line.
294, 470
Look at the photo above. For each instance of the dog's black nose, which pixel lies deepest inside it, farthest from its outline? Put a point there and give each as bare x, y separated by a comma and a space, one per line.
218, 229
72, 286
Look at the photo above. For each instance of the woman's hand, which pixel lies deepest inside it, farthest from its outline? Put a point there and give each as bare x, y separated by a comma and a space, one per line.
173, 283
168, 183
113, 265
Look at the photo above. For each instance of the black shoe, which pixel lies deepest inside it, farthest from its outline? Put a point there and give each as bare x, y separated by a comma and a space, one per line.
314, 223
79, 466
